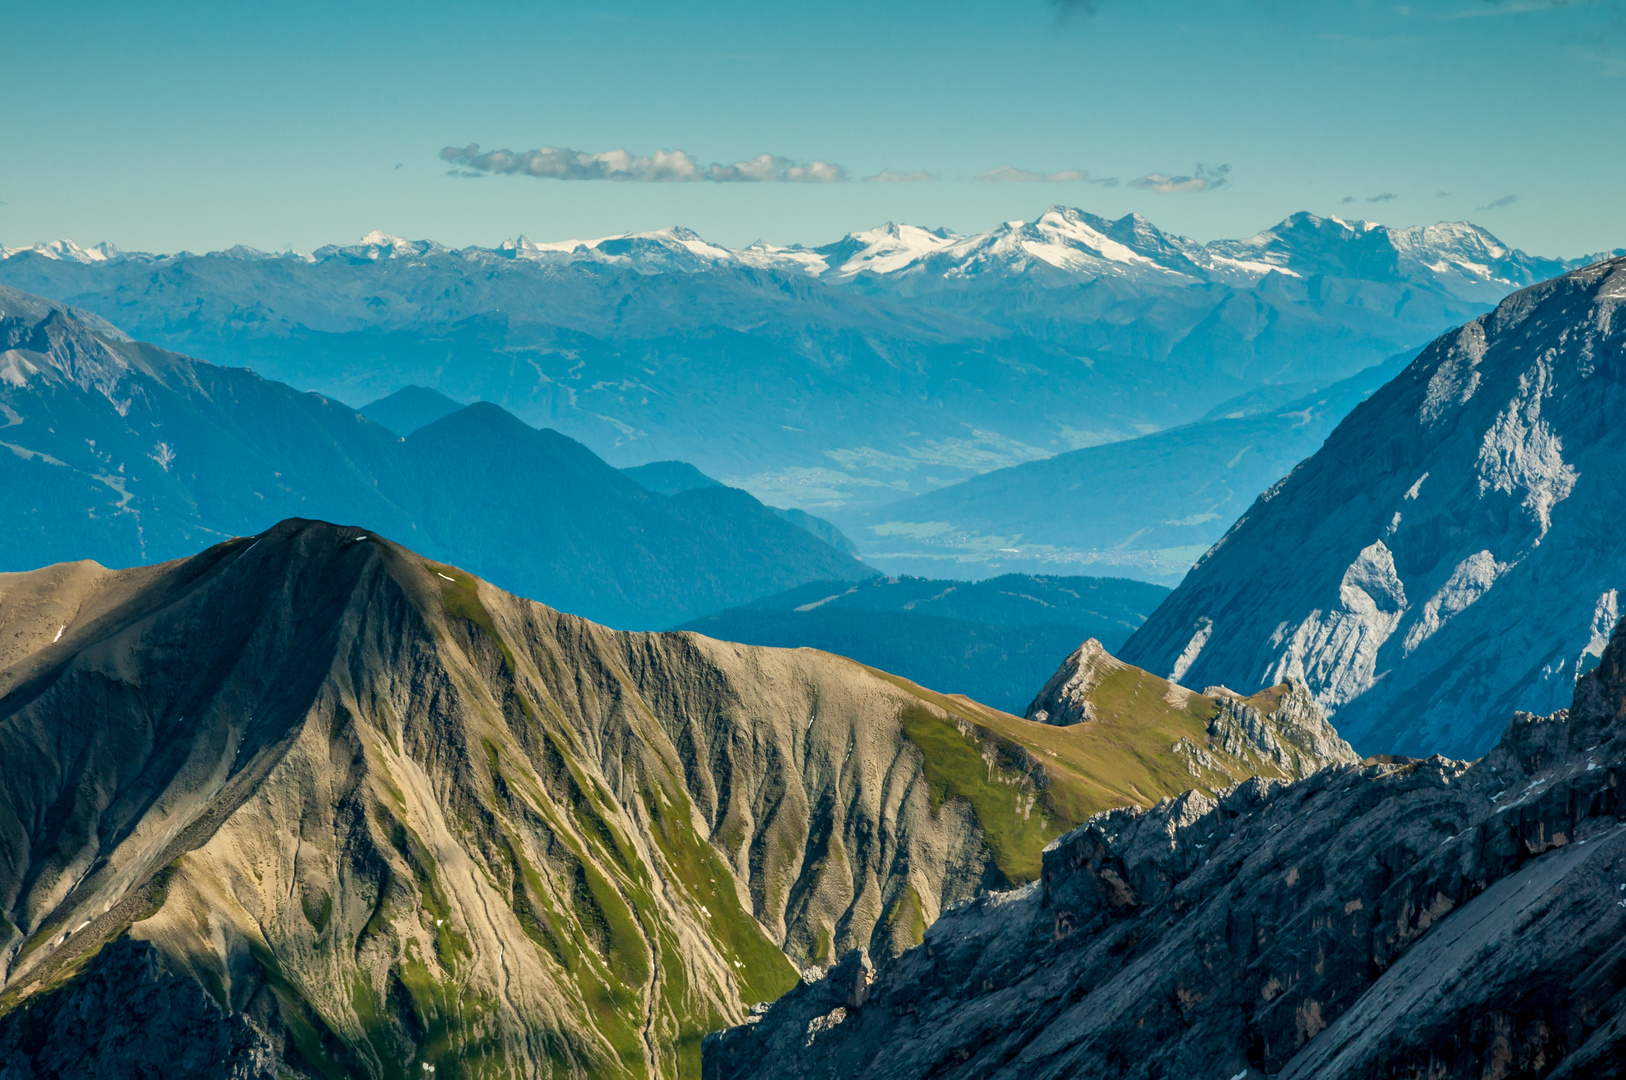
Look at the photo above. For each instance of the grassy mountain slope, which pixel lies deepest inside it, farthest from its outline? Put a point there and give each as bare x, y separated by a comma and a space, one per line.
124, 453
399, 818
996, 640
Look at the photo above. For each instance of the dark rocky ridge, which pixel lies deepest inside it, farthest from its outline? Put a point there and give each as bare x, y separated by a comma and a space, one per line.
127, 1017
1387, 919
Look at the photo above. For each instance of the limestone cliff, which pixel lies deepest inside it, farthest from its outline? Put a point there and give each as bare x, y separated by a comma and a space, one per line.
1450, 555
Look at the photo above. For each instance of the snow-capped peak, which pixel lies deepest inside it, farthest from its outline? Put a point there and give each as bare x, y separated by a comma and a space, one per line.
67, 251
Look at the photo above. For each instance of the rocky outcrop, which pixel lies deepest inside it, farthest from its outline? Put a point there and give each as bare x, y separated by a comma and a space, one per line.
126, 1019
1397, 918
1280, 731
1065, 698
1407, 572
397, 818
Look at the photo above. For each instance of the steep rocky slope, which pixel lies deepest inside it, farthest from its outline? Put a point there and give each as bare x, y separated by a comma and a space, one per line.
120, 452
1451, 554
1398, 918
395, 818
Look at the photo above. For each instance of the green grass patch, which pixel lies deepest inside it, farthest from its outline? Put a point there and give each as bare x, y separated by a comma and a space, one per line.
905, 921
460, 596
764, 973
1013, 827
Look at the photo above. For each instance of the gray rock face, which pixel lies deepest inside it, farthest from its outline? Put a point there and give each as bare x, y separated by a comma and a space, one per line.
1386, 919
127, 1019
1452, 553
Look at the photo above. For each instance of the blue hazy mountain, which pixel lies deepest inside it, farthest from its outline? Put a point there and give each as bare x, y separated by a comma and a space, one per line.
125, 453
996, 641
836, 379
1148, 507
409, 409
675, 477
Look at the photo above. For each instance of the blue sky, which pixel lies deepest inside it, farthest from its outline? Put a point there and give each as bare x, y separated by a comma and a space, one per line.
196, 126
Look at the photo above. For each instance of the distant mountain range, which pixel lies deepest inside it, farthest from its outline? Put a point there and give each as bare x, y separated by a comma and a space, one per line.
1452, 554
835, 379
996, 641
125, 453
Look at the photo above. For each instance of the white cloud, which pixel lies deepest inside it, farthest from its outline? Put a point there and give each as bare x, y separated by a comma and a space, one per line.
1010, 174
663, 166
1203, 178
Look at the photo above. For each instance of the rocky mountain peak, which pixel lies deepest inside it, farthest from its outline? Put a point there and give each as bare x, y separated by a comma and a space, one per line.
1280, 730
1476, 479
1065, 698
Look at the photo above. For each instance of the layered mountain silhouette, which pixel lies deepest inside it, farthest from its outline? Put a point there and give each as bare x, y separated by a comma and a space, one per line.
345, 811
892, 362
125, 453
1451, 554
1148, 507
409, 409
1389, 918
994, 640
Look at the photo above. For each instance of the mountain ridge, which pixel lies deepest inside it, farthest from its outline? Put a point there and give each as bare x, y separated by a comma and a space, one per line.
125, 452
1395, 917
395, 817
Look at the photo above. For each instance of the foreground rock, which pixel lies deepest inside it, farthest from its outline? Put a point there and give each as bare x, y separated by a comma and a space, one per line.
1412, 918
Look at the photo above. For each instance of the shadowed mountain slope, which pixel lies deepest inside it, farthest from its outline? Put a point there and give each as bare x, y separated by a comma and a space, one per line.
992, 640
1145, 507
394, 817
123, 453
409, 409
1386, 919
1452, 554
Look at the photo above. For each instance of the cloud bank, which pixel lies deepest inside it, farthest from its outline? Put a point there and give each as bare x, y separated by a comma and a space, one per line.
661, 167
1497, 204
1202, 178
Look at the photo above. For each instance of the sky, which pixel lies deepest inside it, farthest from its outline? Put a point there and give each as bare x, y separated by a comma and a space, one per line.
191, 126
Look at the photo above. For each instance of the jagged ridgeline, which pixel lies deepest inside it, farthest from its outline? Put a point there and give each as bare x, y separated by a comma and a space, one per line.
1382, 919
378, 815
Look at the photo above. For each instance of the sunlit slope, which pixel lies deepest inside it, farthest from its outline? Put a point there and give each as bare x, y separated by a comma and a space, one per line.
398, 817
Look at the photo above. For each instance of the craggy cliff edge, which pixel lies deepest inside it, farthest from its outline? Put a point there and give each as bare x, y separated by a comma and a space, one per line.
1398, 919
